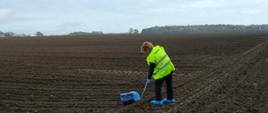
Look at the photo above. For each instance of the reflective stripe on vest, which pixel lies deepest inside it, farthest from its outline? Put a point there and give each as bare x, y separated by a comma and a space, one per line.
161, 59
156, 51
163, 67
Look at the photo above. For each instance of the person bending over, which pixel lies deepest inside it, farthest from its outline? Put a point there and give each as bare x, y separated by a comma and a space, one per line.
160, 69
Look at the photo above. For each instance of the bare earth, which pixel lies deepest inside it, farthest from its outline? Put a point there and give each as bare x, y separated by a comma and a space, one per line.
216, 73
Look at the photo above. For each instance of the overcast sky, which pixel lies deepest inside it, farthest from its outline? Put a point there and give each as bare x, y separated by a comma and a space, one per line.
114, 16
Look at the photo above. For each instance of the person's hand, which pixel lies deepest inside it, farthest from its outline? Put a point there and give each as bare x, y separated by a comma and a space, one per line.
148, 81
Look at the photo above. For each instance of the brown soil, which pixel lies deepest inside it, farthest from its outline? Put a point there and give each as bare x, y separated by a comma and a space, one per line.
215, 73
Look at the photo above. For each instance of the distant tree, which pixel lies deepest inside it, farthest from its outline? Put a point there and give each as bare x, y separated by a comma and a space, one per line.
205, 28
39, 34
136, 31
9, 34
22, 35
2, 34
131, 31
96, 32
79, 33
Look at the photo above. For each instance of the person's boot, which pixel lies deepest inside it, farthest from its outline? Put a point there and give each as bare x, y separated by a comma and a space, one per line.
165, 100
157, 102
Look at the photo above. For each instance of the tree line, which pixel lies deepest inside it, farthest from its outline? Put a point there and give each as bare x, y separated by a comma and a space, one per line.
12, 34
204, 28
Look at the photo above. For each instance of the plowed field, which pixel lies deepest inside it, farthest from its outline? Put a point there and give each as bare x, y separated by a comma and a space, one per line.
83, 74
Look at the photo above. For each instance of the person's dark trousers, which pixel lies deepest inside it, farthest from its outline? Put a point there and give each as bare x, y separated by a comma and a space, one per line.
158, 86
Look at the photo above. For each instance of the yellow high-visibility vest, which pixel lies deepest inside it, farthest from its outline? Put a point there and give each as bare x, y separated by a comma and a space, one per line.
164, 66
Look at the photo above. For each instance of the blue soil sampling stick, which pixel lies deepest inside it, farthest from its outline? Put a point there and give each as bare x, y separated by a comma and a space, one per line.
131, 97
